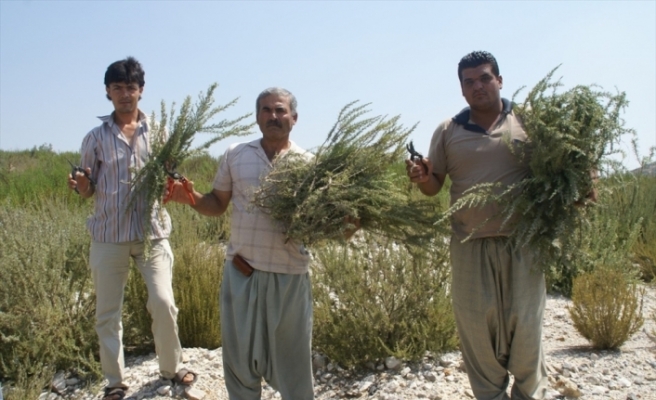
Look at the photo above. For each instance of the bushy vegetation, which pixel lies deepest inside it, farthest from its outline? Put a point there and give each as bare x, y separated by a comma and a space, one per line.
46, 301
375, 298
348, 178
172, 138
34, 176
387, 299
606, 307
619, 231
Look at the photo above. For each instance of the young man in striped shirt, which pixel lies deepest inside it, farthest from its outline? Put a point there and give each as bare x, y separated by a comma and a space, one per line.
109, 155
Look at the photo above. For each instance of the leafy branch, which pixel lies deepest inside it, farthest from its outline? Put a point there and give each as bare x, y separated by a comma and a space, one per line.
171, 144
350, 177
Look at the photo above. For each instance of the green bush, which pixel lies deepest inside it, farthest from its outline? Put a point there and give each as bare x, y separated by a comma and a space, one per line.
606, 307
608, 236
29, 386
39, 175
46, 299
376, 298
643, 207
197, 275
373, 298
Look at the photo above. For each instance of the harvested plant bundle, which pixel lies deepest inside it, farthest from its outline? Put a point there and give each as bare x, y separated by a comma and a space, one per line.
171, 140
351, 176
571, 135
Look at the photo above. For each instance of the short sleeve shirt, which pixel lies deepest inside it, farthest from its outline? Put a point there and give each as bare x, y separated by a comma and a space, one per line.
469, 155
254, 234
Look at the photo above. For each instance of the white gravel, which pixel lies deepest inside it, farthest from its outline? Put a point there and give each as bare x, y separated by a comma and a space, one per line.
574, 370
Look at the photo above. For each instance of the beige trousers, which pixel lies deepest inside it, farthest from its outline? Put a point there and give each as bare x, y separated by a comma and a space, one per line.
498, 301
110, 267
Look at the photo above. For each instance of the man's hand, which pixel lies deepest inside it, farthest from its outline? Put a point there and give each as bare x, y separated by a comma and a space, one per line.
181, 192
419, 171
81, 183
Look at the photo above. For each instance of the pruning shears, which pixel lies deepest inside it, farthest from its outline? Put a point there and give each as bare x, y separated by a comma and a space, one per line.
415, 156
75, 170
173, 176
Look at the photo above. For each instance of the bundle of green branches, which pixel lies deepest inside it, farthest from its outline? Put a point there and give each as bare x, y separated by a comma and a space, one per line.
171, 144
571, 134
351, 176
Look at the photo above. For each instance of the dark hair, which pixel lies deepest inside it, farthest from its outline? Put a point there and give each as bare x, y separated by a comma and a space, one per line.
476, 58
125, 71
279, 92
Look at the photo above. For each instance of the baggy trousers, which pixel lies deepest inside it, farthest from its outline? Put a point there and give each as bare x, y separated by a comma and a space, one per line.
266, 329
498, 301
110, 267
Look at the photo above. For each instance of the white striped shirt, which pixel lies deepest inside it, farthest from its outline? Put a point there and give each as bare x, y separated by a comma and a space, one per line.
112, 160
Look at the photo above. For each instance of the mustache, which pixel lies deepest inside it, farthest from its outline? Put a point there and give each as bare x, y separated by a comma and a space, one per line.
274, 123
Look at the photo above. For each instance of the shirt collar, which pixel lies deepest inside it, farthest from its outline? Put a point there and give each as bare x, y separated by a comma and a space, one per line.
462, 118
109, 119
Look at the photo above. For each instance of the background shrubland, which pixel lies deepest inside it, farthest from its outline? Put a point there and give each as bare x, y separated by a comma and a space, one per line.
373, 297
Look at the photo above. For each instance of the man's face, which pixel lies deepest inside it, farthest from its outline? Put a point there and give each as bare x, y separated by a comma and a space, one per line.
275, 117
480, 87
124, 96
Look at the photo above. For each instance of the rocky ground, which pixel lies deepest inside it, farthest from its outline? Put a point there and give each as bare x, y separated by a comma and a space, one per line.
575, 371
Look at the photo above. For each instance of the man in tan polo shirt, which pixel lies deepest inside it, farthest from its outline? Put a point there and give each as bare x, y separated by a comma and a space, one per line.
266, 299
498, 295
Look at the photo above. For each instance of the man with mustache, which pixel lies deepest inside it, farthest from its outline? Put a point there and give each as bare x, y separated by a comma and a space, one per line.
498, 296
266, 299
110, 152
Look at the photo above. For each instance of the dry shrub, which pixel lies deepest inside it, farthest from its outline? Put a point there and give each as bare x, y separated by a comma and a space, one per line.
29, 386
606, 307
197, 274
376, 298
46, 299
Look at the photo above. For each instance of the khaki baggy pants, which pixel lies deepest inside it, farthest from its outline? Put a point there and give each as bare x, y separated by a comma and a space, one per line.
266, 330
498, 301
110, 267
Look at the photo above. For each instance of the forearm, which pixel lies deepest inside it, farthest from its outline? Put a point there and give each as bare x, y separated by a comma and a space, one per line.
85, 194
208, 204
431, 187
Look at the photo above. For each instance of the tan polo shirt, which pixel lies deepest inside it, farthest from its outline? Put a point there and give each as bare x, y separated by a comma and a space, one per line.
253, 234
469, 155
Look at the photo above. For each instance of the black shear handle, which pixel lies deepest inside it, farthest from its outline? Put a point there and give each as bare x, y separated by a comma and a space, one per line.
75, 169
415, 156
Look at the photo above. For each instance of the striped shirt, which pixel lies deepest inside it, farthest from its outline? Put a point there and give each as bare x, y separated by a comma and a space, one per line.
112, 159
254, 235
